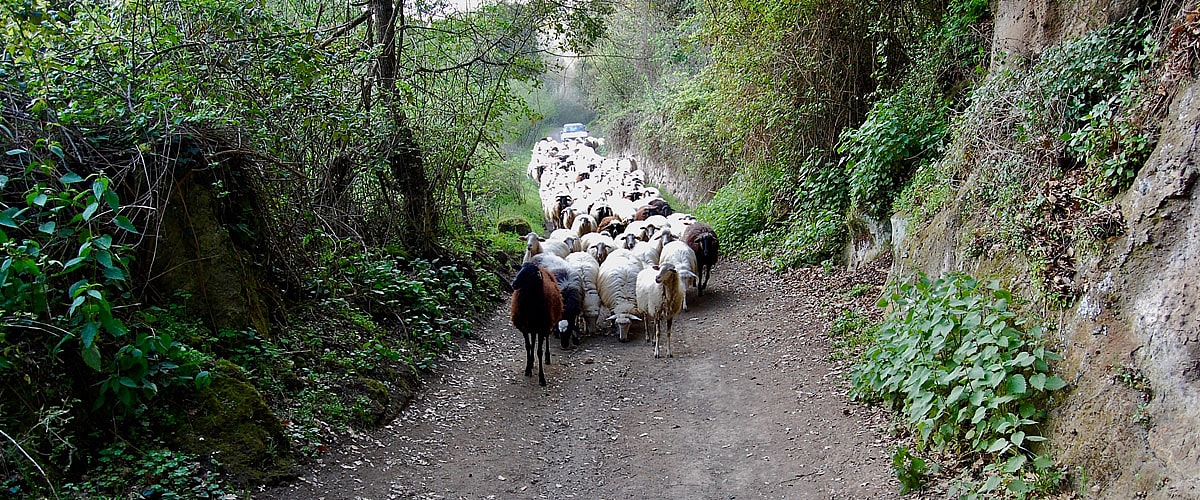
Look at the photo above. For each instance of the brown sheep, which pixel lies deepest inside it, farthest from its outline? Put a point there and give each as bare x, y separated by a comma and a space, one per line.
536, 308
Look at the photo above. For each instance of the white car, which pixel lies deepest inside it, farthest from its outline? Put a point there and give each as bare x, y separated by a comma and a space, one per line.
573, 131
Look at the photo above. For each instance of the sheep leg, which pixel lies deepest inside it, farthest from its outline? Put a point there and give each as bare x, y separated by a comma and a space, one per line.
670, 326
656, 331
528, 354
543, 339
566, 336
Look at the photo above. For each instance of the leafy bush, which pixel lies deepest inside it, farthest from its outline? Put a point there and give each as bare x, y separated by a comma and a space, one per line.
739, 211
965, 372
910, 469
882, 153
124, 471
850, 333
64, 270
1099, 82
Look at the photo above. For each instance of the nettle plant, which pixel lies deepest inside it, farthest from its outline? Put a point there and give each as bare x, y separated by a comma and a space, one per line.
965, 373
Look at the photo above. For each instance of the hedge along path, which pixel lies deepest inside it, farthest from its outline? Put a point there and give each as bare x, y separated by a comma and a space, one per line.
749, 407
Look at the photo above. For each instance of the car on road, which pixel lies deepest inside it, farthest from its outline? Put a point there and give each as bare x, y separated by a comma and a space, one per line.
573, 131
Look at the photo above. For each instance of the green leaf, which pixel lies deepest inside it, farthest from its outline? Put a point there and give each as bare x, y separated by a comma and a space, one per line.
124, 223
40, 199
997, 445
91, 357
203, 380
1026, 410
98, 187
47, 228
104, 258
980, 413
110, 197
1018, 438
1023, 359
90, 210
1016, 384
76, 303
1014, 463
88, 335
15, 152
1042, 462
955, 393
7, 217
70, 178
1038, 381
73, 263
128, 382
1019, 486
1054, 383
991, 484
114, 273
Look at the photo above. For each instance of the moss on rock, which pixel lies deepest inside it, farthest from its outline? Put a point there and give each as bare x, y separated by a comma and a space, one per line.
231, 421
515, 225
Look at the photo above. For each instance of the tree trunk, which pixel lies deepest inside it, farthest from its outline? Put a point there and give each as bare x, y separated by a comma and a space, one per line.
405, 158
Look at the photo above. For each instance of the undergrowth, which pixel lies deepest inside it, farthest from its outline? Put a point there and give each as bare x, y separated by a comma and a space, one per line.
965, 374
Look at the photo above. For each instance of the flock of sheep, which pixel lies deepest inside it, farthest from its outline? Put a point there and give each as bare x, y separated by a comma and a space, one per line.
614, 247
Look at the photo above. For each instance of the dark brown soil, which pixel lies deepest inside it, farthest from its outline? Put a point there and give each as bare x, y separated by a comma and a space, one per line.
749, 407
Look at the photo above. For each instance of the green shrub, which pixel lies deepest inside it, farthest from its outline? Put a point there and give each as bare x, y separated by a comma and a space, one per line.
739, 212
965, 372
880, 155
125, 471
910, 470
1100, 84
849, 334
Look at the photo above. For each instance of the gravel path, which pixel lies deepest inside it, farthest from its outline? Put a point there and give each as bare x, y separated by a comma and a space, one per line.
749, 407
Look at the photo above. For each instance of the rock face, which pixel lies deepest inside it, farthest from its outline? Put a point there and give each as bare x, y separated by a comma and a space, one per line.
231, 421
1131, 342
1140, 313
1023, 27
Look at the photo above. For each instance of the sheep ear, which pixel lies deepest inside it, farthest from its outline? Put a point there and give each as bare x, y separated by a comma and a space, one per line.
635, 318
610, 318
686, 274
541, 239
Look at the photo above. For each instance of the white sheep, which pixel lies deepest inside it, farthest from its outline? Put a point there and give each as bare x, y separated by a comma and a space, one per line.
678, 254
568, 238
535, 246
583, 224
647, 252
660, 298
617, 284
588, 270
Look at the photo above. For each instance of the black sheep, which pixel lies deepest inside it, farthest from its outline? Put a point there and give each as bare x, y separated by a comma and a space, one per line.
702, 240
536, 308
571, 288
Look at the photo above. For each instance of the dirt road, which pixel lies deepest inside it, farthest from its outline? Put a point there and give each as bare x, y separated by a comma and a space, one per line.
749, 407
